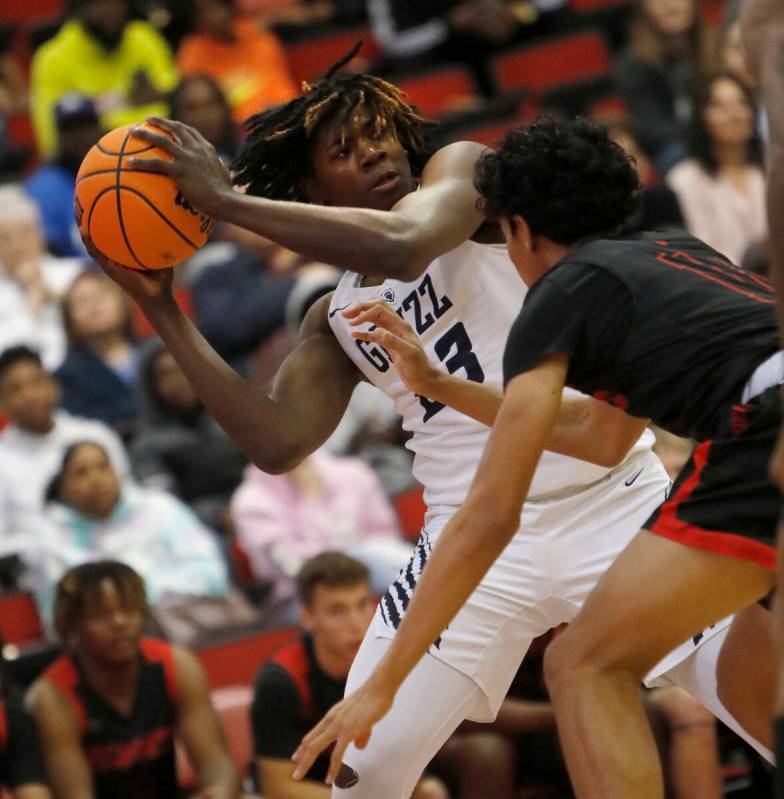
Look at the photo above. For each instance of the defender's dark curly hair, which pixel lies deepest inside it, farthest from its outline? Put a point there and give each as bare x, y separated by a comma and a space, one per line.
568, 180
276, 155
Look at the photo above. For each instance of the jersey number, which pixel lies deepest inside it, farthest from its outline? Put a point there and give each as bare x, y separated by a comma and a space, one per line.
454, 351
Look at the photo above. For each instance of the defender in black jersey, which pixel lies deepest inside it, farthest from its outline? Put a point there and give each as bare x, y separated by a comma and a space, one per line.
665, 328
108, 710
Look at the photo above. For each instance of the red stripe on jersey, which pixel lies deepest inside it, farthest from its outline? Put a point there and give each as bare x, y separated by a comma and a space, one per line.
63, 674
155, 651
123, 756
668, 525
294, 659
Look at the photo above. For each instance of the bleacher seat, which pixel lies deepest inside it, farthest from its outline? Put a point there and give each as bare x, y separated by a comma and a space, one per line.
19, 619
309, 59
440, 91
574, 59
410, 508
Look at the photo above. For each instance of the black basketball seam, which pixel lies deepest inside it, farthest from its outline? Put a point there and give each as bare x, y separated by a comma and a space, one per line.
117, 186
167, 221
130, 152
110, 171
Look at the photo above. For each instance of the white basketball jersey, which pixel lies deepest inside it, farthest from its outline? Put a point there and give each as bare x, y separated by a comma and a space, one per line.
462, 309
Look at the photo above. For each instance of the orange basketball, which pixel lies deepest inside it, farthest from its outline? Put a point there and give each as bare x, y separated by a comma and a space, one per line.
137, 219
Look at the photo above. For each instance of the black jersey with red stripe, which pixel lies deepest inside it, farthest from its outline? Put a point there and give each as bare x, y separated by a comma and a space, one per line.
291, 695
130, 757
657, 323
21, 762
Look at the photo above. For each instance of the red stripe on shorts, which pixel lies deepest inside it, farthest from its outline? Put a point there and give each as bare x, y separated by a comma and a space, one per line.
668, 525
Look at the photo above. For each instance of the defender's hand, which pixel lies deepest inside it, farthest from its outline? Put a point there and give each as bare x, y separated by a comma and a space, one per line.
397, 337
350, 721
195, 166
143, 285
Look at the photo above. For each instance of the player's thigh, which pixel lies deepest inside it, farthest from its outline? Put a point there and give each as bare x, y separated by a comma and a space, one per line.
655, 595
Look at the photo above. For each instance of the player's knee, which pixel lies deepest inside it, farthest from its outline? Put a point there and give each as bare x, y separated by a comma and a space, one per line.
564, 660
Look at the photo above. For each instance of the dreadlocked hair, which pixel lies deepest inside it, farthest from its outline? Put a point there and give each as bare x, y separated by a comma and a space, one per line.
82, 588
274, 159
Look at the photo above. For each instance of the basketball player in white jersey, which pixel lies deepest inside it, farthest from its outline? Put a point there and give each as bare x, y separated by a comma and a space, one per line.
460, 297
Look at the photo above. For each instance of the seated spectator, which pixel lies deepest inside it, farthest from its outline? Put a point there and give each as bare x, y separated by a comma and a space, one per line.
178, 446
124, 65
721, 188
13, 99
31, 282
659, 207
325, 503
22, 772
93, 515
199, 102
52, 185
657, 73
98, 376
238, 300
247, 62
304, 679
109, 709
32, 445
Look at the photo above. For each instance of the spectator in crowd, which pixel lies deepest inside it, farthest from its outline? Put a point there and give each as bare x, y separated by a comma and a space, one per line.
199, 102
657, 74
32, 445
124, 65
731, 58
304, 679
13, 99
247, 62
108, 710
178, 446
468, 31
31, 282
22, 772
94, 515
659, 207
52, 184
721, 188
98, 376
325, 503
238, 300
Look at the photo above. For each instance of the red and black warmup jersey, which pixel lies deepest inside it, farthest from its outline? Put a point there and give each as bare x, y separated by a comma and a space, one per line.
658, 323
130, 757
291, 695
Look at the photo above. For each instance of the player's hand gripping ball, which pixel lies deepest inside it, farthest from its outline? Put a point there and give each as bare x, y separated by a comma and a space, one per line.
137, 219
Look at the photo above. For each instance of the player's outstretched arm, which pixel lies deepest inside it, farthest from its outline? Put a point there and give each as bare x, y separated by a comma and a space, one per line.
276, 430
586, 428
399, 243
472, 540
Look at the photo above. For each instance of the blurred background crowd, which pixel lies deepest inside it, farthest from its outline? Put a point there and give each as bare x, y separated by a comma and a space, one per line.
105, 450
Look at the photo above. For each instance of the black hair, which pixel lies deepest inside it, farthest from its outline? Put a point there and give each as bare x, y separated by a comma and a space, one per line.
54, 486
275, 157
568, 180
333, 569
14, 355
700, 144
82, 587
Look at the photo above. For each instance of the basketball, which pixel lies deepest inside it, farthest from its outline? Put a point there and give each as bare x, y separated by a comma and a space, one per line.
137, 219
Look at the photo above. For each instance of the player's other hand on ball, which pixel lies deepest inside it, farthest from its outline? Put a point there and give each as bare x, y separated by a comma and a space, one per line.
350, 721
195, 166
143, 285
